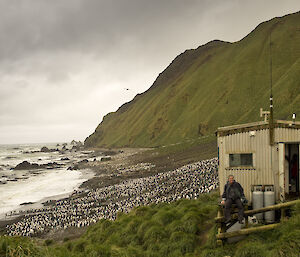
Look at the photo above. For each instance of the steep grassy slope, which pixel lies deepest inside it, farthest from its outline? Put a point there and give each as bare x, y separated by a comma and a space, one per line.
217, 84
183, 228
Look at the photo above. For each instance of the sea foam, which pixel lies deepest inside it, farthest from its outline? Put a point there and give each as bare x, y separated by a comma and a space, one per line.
44, 185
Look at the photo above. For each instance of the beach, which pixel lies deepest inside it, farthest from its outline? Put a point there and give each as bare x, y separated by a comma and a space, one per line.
88, 187
130, 178
23, 189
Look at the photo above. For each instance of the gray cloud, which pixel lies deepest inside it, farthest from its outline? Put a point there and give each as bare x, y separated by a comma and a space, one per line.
31, 26
65, 63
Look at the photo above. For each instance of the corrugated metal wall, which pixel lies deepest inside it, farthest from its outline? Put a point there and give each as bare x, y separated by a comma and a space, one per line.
265, 157
287, 135
244, 143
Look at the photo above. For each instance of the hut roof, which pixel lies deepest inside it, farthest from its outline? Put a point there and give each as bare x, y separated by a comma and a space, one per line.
254, 126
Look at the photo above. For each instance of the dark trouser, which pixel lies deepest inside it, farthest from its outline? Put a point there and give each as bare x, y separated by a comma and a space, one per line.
228, 204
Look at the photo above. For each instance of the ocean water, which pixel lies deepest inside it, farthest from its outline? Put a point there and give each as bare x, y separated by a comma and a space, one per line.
23, 186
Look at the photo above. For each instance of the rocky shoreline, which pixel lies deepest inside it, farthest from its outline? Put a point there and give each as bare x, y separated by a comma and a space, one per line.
123, 165
93, 160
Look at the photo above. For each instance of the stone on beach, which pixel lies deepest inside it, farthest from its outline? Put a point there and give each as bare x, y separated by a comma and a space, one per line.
25, 165
45, 149
83, 161
75, 167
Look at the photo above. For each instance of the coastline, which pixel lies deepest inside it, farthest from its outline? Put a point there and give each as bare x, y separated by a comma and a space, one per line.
125, 165
20, 211
97, 174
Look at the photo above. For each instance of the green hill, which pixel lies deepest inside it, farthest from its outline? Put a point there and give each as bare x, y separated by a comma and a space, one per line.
217, 84
182, 228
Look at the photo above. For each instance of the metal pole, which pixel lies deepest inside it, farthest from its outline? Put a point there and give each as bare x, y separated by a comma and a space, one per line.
271, 124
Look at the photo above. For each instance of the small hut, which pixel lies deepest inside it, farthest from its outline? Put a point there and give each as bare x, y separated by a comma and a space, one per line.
260, 154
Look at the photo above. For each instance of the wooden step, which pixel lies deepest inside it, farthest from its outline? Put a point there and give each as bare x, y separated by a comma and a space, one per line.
246, 231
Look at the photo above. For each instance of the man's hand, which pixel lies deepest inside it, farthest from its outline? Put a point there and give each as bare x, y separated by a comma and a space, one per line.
223, 202
244, 200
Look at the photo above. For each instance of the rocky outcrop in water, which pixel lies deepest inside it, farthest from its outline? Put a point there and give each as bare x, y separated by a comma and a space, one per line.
75, 167
45, 149
83, 161
25, 165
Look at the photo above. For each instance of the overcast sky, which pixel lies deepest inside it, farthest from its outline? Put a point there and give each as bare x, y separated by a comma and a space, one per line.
64, 64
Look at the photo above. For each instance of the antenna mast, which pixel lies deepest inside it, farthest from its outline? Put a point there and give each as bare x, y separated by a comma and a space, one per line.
271, 124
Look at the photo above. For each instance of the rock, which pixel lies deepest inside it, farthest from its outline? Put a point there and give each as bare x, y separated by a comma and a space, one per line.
75, 167
26, 203
45, 149
25, 165
65, 159
83, 161
10, 157
109, 152
108, 158
75, 147
51, 165
64, 148
76, 143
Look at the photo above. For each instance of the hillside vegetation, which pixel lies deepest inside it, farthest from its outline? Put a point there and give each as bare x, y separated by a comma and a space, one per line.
182, 228
217, 84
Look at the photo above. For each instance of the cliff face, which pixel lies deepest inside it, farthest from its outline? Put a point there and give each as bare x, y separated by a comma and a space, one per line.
217, 84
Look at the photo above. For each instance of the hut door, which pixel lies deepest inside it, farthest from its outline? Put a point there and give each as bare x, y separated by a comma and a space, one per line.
281, 171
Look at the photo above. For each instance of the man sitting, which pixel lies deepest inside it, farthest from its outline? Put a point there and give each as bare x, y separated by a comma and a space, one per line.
233, 193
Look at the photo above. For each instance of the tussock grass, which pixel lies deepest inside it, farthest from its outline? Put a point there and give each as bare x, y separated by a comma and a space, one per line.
183, 228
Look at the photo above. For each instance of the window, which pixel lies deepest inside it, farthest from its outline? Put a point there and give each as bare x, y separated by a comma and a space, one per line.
241, 159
